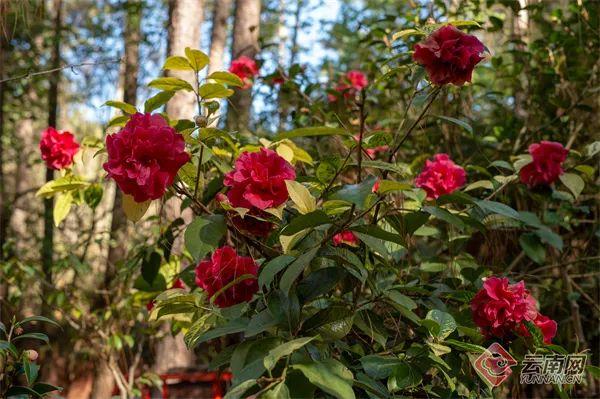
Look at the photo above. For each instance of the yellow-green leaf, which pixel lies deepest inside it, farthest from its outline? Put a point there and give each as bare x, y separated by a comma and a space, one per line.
127, 108
573, 182
134, 210
62, 206
301, 197
214, 90
198, 60
170, 84
62, 184
404, 33
227, 78
177, 63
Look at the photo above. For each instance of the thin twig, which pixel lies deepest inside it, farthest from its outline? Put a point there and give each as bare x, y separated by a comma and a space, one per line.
71, 66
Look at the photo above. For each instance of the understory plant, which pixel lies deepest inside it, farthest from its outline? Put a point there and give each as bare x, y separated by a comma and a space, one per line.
343, 269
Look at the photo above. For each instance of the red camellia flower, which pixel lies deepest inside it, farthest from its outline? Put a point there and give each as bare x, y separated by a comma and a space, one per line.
144, 157
245, 68
440, 176
258, 180
375, 187
251, 224
449, 55
500, 308
357, 79
546, 166
58, 148
345, 237
352, 82
222, 268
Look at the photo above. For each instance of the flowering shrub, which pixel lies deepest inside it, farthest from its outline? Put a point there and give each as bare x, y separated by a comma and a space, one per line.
340, 275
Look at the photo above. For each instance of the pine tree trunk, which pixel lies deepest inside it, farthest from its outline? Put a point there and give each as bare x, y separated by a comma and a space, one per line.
185, 17
48, 242
245, 42
103, 379
218, 36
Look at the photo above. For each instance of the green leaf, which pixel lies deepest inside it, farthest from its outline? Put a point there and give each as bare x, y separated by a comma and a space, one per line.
42, 388
271, 268
62, 184
151, 266
198, 60
20, 391
227, 78
238, 391
404, 376
497, 207
158, 100
464, 23
37, 318
301, 197
379, 367
279, 391
120, 120
377, 232
134, 210
232, 327
433, 267
355, 193
93, 195
465, 346
401, 299
574, 183
312, 131
533, 248
177, 63
312, 219
455, 121
214, 90
295, 269
283, 350
593, 370
62, 206
446, 216
549, 237
446, 323
406, 32
320, 282
33, 335
170, 84
127, 108
31, 371
329, 375
259, 323
387, 186
204, 234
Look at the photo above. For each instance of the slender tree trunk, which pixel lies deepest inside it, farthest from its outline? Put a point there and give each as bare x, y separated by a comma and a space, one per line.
4, 207
218, 36
103, 379
185, 17
245, 42
48, 242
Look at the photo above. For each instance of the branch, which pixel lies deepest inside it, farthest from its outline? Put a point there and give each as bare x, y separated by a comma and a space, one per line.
71, 66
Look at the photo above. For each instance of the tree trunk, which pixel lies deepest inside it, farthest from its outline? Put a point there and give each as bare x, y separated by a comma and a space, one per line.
218, 36
48, 242
103, 378
185, 17
245, 42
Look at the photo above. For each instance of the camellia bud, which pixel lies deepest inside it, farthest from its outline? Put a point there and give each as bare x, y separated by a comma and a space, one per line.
31, 355
18, 330
201, 121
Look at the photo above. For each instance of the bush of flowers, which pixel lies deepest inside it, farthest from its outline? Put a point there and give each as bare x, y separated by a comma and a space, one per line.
319, 275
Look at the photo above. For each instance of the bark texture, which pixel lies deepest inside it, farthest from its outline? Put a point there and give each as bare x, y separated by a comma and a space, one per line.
218, 36
246, 31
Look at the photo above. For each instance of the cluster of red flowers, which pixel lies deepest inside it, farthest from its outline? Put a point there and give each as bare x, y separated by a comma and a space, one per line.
144, 156
257, 182
58, 148
350, 84
546, 165
245, 68
501, 309
224, 267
